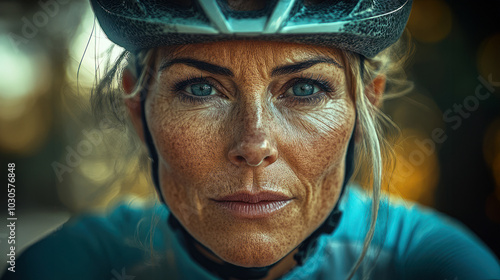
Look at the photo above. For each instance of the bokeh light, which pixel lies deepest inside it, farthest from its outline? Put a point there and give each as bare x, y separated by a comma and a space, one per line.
492, 208
25, 134
416, 172
430, 20
18, 71
491, 152
25, 115
97, 171
488, 58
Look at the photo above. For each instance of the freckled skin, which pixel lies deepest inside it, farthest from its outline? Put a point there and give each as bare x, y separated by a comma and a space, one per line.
208, 150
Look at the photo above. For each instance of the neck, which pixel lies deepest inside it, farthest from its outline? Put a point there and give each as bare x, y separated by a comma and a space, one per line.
283, 266
279, 269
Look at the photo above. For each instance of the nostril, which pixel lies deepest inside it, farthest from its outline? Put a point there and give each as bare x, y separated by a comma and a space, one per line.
253, 153
240, 159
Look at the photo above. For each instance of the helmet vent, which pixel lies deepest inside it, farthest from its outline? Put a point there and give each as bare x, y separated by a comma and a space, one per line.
245, 5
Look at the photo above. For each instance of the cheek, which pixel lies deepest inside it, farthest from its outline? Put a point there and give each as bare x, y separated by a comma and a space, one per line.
188, 146
190, 149
317, 158
319, 141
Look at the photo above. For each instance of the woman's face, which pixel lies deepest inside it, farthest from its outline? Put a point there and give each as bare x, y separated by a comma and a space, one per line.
251, 140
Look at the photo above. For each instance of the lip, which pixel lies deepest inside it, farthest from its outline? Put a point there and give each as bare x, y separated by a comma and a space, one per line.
248, 205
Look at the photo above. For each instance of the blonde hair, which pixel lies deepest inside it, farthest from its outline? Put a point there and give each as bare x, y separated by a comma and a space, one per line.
374, 148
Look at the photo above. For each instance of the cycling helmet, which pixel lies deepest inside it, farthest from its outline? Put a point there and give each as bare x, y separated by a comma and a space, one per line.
361, 26
365, 27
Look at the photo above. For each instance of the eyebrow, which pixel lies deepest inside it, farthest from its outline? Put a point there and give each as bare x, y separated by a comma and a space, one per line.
202, 65
297, 67
219, 70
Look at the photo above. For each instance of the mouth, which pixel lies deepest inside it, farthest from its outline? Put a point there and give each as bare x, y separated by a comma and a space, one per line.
248, 205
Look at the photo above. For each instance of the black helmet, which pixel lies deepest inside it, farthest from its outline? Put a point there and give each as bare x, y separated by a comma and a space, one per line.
364, 26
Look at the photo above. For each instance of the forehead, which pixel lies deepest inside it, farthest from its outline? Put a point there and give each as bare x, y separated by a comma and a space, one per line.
249, 52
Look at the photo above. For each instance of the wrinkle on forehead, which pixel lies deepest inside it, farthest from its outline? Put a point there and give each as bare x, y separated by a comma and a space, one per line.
236, 55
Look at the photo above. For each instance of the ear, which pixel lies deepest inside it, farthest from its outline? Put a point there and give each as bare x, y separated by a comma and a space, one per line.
374, 92
134, 103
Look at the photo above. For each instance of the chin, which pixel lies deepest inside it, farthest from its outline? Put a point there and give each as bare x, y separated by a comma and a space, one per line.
247, 254
258, 260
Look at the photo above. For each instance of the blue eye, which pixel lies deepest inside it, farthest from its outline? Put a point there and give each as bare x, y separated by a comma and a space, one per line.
304, 89
201, 89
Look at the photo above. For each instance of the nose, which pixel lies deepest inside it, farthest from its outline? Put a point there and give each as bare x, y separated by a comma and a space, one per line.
254, 145
253, 151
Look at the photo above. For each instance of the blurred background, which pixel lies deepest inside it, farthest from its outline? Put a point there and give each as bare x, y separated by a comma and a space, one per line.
448, 154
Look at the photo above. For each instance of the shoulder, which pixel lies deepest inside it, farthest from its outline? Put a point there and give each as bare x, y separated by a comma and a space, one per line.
418, 241
90, 245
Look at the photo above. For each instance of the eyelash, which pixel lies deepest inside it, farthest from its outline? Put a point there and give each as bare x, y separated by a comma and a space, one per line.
179, 86
324, 85
326, 88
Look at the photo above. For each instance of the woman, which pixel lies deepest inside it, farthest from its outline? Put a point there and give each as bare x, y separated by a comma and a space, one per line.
251, 112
